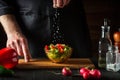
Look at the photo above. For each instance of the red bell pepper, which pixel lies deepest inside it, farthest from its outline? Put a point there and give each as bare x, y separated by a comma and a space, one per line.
8, 58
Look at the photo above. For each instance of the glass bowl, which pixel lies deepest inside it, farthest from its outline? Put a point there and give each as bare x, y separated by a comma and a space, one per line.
58, 53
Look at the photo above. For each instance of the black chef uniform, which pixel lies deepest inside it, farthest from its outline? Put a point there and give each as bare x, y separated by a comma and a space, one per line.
35, 20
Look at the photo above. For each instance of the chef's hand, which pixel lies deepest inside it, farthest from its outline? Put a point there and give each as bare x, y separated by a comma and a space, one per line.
60, 3
15, 38
18, 42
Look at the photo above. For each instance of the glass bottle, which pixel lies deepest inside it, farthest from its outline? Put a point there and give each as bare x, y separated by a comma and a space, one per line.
116, 37
104, 44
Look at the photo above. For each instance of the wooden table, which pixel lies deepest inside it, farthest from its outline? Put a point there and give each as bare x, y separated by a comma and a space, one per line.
33, 71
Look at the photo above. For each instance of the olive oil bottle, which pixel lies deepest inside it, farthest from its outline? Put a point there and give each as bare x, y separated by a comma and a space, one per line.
104, 43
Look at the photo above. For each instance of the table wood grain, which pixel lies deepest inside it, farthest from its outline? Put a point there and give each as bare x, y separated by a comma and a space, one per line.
74, 63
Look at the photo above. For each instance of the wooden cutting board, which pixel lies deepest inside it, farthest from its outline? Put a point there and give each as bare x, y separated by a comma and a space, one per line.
74, 63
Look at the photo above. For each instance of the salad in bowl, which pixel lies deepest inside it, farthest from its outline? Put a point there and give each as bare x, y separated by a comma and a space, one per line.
58, 53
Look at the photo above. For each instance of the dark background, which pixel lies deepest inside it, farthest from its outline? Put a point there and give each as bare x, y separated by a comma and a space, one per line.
96, 11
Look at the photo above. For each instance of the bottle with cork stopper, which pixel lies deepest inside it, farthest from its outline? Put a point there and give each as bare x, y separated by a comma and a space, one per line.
116, 37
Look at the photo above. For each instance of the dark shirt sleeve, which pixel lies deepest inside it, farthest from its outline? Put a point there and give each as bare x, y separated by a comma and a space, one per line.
5, 8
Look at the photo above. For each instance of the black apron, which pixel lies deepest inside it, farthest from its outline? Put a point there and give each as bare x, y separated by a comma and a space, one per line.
35, 19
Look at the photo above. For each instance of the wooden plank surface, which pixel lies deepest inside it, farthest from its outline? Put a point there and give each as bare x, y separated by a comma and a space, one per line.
74, 63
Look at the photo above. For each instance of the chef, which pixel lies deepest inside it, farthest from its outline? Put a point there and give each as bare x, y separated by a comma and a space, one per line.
28, 26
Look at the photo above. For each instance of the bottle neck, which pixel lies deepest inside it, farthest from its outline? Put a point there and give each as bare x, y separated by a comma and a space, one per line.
105, 32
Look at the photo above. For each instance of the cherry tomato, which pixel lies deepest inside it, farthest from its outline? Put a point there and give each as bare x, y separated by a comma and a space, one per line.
60, 46
96, 74
86, 75
60, 50
66, 71
83, 70
46, 47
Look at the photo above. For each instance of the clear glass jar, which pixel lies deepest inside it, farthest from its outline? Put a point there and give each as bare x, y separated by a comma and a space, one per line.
113, 59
